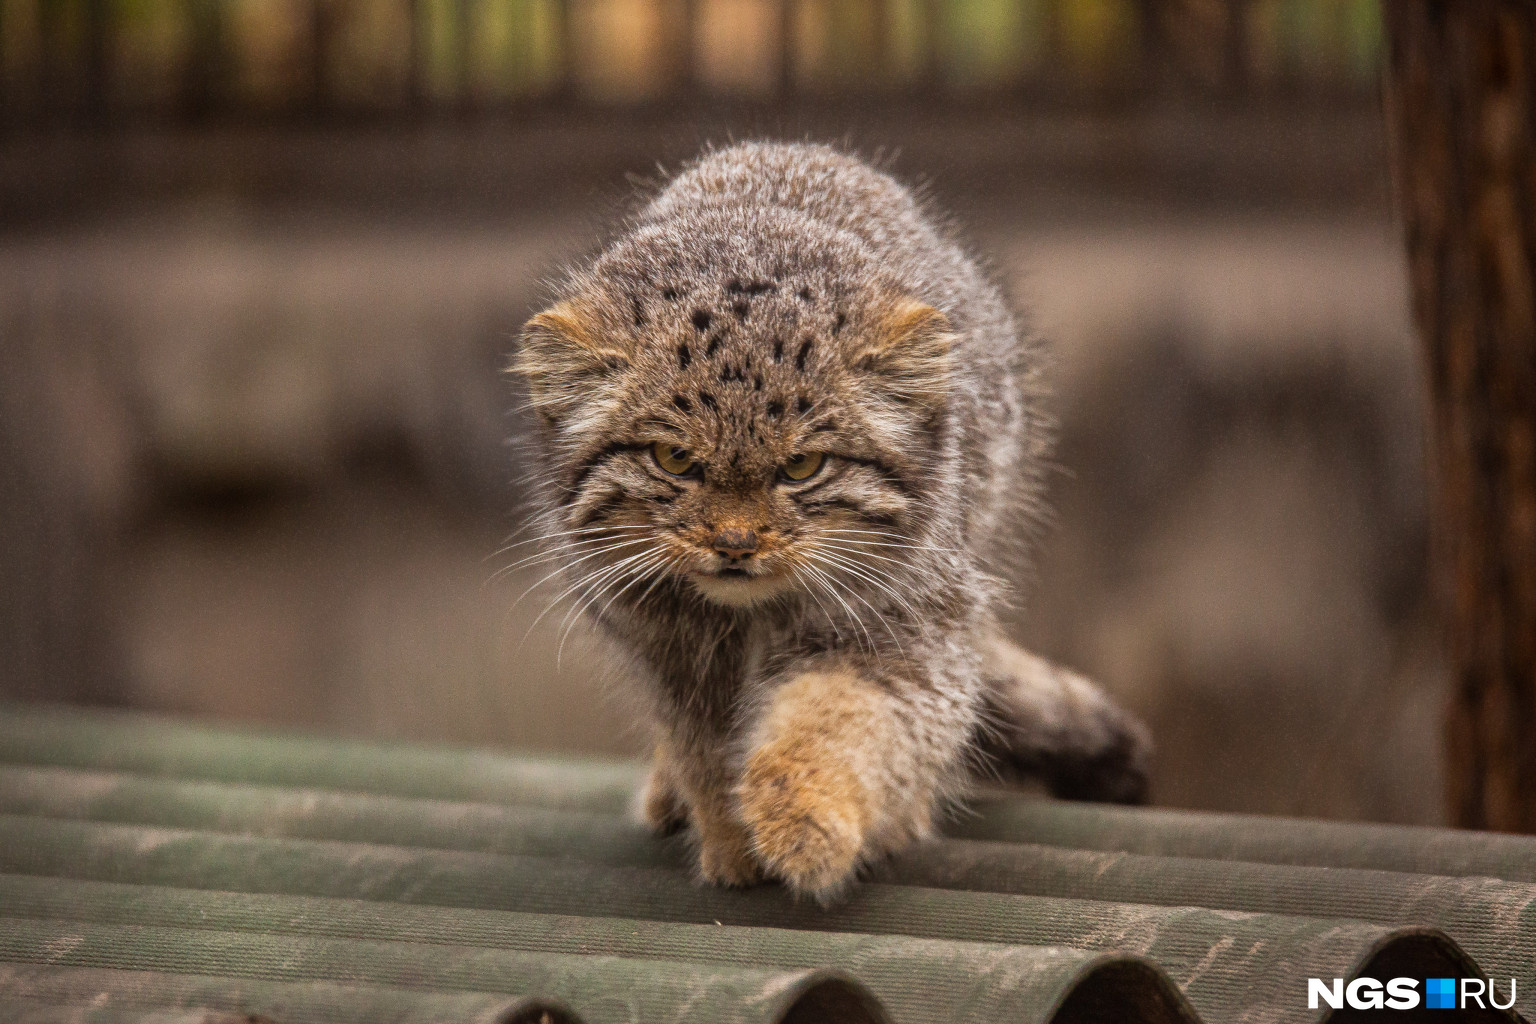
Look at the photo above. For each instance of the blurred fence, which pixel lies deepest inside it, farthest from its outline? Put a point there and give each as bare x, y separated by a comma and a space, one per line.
62, 60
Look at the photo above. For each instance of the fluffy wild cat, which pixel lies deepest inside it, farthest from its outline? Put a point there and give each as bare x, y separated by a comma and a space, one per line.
790, 445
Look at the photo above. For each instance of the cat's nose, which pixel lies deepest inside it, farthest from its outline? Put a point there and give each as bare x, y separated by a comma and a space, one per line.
733, 543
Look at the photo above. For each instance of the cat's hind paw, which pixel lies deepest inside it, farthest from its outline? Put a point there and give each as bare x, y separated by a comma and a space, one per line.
1115, 771
659, 806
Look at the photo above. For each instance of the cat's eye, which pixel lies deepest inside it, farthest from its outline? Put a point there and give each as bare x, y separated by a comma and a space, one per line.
802, 466
675, 460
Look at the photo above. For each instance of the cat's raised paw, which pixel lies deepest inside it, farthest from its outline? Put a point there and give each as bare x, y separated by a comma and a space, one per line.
807, 819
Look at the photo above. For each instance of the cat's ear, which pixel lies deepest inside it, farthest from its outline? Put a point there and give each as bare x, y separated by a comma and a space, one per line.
562, 353
908, 347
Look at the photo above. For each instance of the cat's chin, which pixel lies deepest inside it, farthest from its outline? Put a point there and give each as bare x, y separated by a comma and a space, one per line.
739, 591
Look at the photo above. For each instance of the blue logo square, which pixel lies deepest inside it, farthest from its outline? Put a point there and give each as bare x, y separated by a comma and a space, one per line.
1440, 993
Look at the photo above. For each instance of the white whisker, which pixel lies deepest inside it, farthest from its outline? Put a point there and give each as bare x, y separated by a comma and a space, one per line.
868, 574
635, 573
921, 570
833, 591
794, 570
561, 551
560, 535
889, 629
595, 554
900, 542
581, 585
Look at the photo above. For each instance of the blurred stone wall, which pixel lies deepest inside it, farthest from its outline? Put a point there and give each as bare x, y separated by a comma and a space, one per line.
256, 459
1240, 540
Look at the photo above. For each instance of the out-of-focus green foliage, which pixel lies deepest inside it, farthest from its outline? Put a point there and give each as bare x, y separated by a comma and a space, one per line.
171, 56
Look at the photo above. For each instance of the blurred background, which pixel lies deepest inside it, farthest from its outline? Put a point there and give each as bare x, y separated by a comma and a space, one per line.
261, 262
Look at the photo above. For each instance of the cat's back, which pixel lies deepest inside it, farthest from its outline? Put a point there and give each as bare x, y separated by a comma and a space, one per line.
841, 193
831, 187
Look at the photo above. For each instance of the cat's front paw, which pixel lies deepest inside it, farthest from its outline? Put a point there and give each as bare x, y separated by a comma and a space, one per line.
807, 818
725, 857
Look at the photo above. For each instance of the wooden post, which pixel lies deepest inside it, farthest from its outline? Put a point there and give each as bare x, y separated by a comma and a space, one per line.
322, 24
565, 33
880, 62
685, 77
205, 74
1235, 48
415, 57
464, 55
788, 43
1460, 105
935, 48
99, 24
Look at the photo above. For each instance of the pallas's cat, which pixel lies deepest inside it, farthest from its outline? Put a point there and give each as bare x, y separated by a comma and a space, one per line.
790, 450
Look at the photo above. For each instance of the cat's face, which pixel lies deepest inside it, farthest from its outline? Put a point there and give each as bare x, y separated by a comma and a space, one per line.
746, 437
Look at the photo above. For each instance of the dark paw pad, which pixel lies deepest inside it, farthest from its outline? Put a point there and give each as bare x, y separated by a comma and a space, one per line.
1118, 773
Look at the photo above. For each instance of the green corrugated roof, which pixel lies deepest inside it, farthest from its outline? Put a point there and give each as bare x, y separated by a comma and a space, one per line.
155, 871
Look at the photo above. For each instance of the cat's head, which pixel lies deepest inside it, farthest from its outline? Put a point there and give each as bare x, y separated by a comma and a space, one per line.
753, 431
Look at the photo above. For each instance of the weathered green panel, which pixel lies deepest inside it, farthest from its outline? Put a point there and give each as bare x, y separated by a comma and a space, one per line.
29, 1011
155, 868
919, 979
602, 989
1263, 839
97, 993
1211, 954
1494, 920
329, 814
149, 746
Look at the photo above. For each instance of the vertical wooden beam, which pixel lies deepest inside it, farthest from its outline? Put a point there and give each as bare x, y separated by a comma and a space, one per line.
788, 43
934, 46
52, 62
689, 81
204, 78
415, 56
463, 54
1152, 51
1235, 56
880, 17
7, 91
565, 33
1461, 93
322, 23
98, 28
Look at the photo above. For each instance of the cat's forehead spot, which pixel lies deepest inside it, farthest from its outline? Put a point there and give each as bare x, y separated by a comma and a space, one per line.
742, 362
752, 289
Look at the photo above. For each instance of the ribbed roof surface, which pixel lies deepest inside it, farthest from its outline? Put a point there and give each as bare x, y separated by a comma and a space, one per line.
154, 871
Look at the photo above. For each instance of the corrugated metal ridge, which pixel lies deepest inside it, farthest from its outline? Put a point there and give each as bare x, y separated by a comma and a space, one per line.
42, 735
283, 867
1469, 909
141, 994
